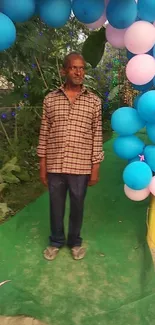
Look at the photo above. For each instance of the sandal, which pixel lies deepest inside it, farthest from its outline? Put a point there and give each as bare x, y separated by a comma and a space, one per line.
50, 253
78, 253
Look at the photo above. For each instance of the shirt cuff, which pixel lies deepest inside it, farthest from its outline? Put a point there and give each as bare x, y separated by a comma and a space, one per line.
98, 159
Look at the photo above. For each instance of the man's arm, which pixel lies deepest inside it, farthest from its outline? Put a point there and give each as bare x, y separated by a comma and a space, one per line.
42, 147
97, 154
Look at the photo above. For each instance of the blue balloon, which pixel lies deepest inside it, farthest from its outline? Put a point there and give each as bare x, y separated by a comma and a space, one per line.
128, 147
88, 11
153, 50
149, 154
146, 10
126, 121
150, 128
137, 175
136, 99
146, 106
55, 13
7, 32
131, 55
145, 87
18, 10
121, 14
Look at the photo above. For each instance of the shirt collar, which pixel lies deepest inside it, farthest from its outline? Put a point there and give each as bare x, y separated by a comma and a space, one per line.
83, 89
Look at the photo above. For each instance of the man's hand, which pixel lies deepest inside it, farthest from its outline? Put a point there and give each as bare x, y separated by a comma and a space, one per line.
94, 177
43, 171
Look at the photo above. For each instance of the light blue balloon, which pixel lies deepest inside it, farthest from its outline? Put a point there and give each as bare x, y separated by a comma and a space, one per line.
146, 10
137, 175
149, 153
150, 128
145, 87
126, 121
146, 106
88, 11
128, 147
55, 13
7, 32
18, 10
136, 99
121, 13
153, 50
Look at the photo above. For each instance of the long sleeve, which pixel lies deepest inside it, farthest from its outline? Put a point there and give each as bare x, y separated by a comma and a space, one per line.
98, 154
44, 132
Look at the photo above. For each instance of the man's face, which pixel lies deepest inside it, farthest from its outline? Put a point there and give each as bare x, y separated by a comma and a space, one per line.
75, 70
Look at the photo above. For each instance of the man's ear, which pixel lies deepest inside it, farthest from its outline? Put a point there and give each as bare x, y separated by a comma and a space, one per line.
62, 72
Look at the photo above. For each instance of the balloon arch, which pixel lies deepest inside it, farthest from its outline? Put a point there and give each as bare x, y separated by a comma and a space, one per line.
131, 26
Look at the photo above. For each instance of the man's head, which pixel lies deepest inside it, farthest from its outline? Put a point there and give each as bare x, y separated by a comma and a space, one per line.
74, 68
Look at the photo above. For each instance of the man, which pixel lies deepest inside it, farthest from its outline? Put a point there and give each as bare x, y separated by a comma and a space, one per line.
70, 151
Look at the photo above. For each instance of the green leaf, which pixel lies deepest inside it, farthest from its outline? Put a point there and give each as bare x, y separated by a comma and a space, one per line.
2, 186
10, 166
93, 47
114, 92
24, 176
11, 179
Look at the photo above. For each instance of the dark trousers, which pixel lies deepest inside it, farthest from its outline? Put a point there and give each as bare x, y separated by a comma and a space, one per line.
59, 185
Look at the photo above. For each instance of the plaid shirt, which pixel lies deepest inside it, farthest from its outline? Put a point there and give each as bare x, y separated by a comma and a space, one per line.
71, 133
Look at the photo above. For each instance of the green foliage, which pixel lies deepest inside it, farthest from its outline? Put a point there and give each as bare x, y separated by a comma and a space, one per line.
4, 210
93, 47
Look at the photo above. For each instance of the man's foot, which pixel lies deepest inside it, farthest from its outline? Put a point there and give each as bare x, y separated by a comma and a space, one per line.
78, 253
50, 253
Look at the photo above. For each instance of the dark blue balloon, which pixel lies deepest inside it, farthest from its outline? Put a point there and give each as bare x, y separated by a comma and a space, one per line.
146, 10
146, 106
137, 175
126, 121
153, 50
131, 55
145, 87
150, 128
7, 32
55, 13
18, 10
121, 13
149, 153
88, 11
128, 147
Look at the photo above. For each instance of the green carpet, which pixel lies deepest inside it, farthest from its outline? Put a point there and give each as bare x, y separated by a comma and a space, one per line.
113, 285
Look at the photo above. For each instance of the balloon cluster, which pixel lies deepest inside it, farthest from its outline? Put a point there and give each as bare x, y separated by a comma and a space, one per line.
132, 26
54, 13
127, 121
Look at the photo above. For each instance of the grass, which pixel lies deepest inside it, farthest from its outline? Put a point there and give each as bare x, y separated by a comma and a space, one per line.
20, 195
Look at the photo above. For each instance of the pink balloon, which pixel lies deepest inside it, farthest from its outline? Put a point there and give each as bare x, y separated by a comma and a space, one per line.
141, 69
152, 186
136, 195
140, 37
115, 36
97, 24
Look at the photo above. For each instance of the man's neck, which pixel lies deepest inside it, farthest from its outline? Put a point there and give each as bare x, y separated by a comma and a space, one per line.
73, 88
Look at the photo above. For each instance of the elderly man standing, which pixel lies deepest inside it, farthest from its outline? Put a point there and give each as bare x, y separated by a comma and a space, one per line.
70, 152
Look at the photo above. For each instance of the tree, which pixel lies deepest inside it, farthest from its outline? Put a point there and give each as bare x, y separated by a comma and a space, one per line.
32, 64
